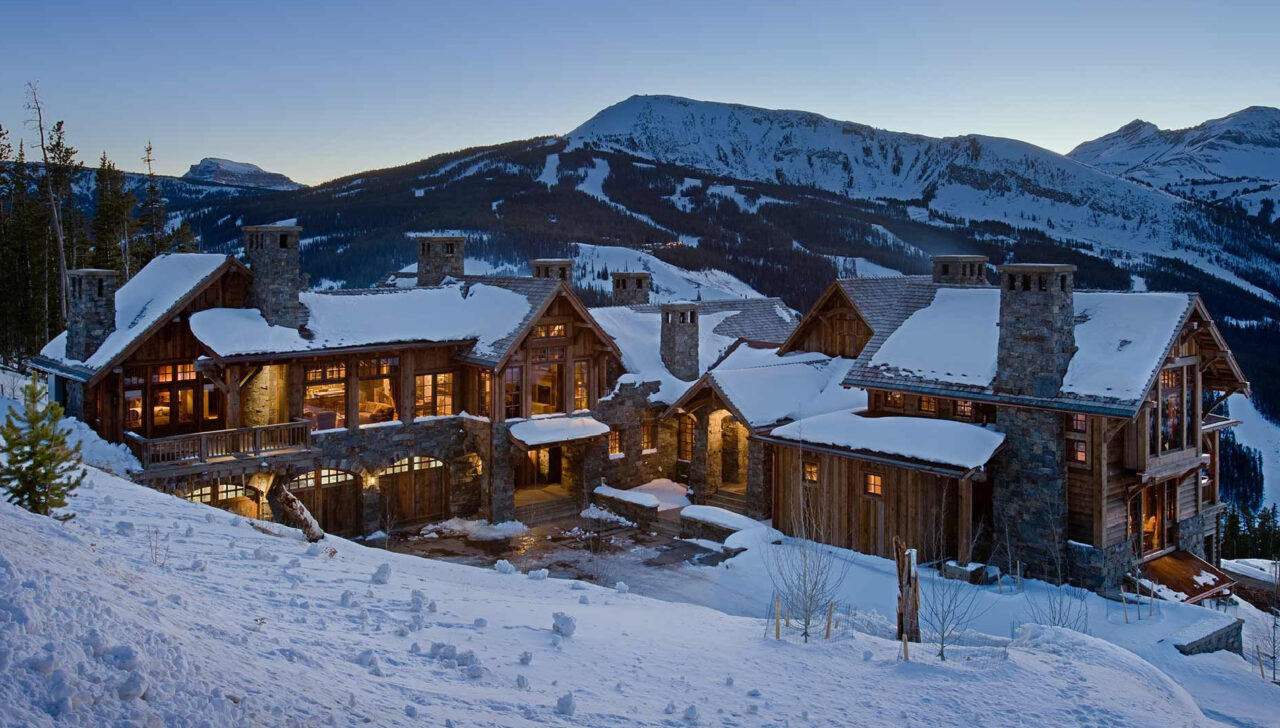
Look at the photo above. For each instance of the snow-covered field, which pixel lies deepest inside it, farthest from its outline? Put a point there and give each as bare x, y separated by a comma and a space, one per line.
151, 610
1263, 435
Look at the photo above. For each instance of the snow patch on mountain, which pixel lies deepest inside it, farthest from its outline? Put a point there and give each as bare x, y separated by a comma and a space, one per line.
241, 174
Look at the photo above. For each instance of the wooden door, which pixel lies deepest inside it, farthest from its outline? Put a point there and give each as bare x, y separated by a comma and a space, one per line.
333, 499
415, 489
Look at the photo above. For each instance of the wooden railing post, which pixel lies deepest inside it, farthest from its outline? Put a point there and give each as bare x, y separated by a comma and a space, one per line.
257, 440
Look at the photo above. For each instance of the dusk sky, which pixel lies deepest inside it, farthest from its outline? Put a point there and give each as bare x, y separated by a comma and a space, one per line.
317, 90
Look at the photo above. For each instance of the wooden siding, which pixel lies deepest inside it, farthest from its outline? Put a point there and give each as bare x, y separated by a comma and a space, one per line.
834, 328
910, 506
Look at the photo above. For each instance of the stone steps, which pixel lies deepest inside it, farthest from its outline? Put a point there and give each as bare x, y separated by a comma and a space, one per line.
548, 511
667, 525
728, 501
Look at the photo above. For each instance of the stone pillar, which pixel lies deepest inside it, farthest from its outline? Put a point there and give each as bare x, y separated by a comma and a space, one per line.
502, 492
440, 257
1037, 328
759, 499
699, 461
372, 503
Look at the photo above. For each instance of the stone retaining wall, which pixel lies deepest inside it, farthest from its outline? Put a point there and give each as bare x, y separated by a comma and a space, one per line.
643, 516
1229, 638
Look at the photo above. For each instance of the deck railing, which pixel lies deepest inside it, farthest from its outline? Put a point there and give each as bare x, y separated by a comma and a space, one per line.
201, 447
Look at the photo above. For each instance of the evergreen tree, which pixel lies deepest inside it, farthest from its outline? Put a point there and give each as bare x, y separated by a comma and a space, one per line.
152, 216
41, 469
112, 218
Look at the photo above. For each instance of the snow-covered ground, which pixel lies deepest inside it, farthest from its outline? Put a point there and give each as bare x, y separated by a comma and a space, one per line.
149, 609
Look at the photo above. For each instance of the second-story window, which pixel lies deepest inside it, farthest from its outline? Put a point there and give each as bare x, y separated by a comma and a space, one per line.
549, 331
928, 404
325, 397
581, 370
433, 394
513, 392
484, 393
615, 443
548, 380
379, 389
964, 409
1076, 422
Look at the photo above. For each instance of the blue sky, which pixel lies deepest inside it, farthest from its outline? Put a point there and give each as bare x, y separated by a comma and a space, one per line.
321, 89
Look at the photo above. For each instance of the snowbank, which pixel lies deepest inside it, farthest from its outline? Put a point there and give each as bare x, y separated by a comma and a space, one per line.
719, 517
669, 493
477, 530
96, 630
647, 500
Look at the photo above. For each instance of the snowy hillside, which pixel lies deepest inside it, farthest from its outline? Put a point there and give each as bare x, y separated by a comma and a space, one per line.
242, 174
153, 610
972, 178
592, 265
1235, 157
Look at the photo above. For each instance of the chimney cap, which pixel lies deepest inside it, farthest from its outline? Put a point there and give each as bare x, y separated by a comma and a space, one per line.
964, 258
1036, 268
630, 274
552, 261
430, 236
678, 305
93, 272
270, 228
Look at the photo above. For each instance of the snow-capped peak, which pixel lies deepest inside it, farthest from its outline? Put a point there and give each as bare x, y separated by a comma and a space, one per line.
243, 174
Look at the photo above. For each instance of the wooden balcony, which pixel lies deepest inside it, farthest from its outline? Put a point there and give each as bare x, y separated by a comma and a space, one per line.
200, 450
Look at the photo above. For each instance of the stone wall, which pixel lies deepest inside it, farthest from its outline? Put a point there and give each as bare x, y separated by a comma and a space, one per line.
626, 411
1029, 487
631, 288
679, 340
264, 399
643, 516
462, 443
1100, 570
1191, 532
1037, 328
440, 257
1229, 638
759, 499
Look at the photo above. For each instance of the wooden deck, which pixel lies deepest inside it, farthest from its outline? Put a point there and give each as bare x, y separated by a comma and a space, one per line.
220, 452
1186, 574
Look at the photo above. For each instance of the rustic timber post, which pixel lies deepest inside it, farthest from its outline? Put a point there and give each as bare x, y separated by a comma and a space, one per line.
964, 528
908, 592
407, 382
232, 391
353, 393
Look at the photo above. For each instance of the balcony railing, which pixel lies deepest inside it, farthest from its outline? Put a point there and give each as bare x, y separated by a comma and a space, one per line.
203, 447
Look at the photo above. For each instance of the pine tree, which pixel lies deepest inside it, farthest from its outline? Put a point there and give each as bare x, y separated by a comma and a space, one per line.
41, 469
152, 216
112, 218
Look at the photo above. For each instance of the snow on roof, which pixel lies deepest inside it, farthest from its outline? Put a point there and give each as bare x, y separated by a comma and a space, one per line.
637, 330
547, 430
143, 300
945, 442
772, 388
1121, 339
488, 314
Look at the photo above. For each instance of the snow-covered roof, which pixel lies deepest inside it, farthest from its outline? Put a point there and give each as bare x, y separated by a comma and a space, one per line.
144, 300
765, 388
946, 339
637, 330
547, 430
486, 313
919, 439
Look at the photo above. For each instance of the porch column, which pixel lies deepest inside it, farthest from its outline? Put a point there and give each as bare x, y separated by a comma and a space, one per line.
698, 462
353, 393
232, 390
964, 524
758, 499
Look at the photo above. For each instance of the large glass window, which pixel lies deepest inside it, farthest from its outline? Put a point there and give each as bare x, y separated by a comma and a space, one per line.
581, 370
379, 389
161, 407
433, 394
513, 392
212, 403
325, 398
548, 380
1172, 409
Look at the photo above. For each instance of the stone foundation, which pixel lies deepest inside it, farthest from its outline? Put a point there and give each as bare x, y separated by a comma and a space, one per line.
1229, 638
643, 516
1100, 570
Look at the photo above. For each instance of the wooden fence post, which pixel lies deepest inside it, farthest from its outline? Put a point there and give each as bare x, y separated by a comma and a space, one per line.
1261, 672
830, 609
1124, 604
777, 618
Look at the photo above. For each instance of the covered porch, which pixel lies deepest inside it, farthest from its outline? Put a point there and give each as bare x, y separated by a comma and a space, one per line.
549, 459
717, 456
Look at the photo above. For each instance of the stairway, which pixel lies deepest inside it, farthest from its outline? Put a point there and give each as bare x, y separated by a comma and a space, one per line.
667, 523
736, 502
547, 511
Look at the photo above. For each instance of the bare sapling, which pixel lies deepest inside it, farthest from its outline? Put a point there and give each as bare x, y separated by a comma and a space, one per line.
948, 606
806, 573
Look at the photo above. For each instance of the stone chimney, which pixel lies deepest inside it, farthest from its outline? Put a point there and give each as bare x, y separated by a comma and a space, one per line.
92, 310
960, 270
439, 258
274, 253
679, 341
561, 268
631, 288
1037, 328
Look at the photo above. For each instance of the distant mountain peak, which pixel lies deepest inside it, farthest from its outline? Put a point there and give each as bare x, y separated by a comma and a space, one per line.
243, 174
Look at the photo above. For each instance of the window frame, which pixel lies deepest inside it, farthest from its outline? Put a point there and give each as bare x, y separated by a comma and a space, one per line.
810, 468
873, 484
